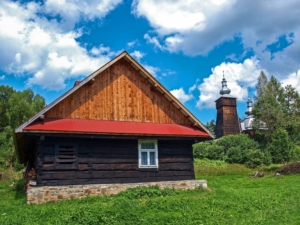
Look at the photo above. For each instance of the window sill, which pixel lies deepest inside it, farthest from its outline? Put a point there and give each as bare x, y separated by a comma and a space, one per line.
147, 168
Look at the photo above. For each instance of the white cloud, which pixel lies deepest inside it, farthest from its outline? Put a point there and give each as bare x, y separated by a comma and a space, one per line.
181, 95
239, 77
2, 77
293, 79
151, 69
197, 26
154, 41
177, 16
137, 55
71, 11
44, 48
132, 43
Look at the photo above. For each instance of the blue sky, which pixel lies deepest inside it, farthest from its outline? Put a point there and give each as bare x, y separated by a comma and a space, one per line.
185, 44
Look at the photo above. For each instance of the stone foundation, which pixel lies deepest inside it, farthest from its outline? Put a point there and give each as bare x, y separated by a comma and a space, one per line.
38, 195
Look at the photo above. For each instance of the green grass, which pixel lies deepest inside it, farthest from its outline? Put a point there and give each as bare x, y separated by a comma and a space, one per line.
232, 198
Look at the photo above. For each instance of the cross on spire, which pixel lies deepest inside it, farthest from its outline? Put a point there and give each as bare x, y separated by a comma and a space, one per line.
225, 89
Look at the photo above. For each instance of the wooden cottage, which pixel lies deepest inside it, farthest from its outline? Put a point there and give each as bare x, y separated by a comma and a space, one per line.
119, 125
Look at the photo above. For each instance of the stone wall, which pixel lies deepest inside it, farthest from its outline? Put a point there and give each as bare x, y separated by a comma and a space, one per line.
38, 195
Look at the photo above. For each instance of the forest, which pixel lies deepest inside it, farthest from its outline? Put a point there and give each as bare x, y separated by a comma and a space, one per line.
15, 108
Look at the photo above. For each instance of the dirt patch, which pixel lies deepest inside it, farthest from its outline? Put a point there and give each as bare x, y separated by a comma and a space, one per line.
290, 168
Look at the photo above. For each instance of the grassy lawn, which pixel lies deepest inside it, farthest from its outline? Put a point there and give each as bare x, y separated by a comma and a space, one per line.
232, 198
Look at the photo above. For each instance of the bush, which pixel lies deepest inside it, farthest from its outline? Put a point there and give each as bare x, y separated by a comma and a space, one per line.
280, 147
200, 149
254, 158
208, 150
235, 155
242, 141
295, 153
215, 152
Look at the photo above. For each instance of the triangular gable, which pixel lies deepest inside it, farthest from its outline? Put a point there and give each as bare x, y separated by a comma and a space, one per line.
155, 86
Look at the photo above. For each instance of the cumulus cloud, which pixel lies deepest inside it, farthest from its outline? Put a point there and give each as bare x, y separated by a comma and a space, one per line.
137, 55
154, 41
197, 26
239, 77
2, 77
177, 16
181, 95
293, 79
44, 48
71, 11
151, 69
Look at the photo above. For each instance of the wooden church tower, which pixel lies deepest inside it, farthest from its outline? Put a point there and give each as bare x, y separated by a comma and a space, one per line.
227, 117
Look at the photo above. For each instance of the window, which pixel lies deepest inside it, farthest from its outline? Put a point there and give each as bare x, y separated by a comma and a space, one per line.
66, 156
148, 156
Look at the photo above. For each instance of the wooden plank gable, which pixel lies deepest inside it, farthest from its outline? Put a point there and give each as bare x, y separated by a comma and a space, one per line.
119, 93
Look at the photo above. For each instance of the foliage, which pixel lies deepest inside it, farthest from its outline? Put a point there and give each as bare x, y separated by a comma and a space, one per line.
280, 147
241, 141
208, 150
232, 149
200, 149
295, 153
232, 198
275, 107
235, 155
211, 126
254, 158
149, 192
15, 108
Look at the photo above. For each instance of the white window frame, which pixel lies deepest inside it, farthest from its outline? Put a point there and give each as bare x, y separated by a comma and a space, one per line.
155, 150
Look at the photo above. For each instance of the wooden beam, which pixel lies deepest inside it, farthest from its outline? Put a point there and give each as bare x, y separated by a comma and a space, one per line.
91, 81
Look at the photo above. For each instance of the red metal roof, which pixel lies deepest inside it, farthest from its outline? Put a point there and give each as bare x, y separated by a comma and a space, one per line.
115, 127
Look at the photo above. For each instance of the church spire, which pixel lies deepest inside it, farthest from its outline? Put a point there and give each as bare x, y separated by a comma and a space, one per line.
225, 89
249, 107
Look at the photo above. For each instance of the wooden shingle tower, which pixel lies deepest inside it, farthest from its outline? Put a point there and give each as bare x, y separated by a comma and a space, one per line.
227, 117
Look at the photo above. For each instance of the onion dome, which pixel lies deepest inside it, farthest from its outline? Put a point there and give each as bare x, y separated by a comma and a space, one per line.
249, 107
225, 89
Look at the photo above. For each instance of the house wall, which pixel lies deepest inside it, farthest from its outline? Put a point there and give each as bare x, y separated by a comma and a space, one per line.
102, 161
119, 93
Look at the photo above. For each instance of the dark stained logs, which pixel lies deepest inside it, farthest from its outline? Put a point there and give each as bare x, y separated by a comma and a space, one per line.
113, 161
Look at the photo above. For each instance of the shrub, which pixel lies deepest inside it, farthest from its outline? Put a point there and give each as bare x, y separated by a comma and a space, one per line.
280, 147
200, 149
242, 141
235, 155
295, 153
215, 152
254, 158
208, 150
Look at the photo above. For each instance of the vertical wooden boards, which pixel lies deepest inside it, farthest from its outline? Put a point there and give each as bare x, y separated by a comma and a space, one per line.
119, 93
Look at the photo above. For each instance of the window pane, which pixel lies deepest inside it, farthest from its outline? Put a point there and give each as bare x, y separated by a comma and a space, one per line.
144, 158
152, 158
148, 145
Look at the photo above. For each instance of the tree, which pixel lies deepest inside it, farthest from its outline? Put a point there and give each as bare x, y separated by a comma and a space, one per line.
278, 108
211, 126
275, 107
280, 147
15, 108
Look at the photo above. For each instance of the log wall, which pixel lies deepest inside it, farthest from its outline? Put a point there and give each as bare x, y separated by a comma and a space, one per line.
112, 161
119, 93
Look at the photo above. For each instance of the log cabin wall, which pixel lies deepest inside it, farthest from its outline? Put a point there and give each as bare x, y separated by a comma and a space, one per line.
109, 161
119, 93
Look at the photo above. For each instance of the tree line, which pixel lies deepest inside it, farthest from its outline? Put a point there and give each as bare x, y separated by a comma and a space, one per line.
15, 108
